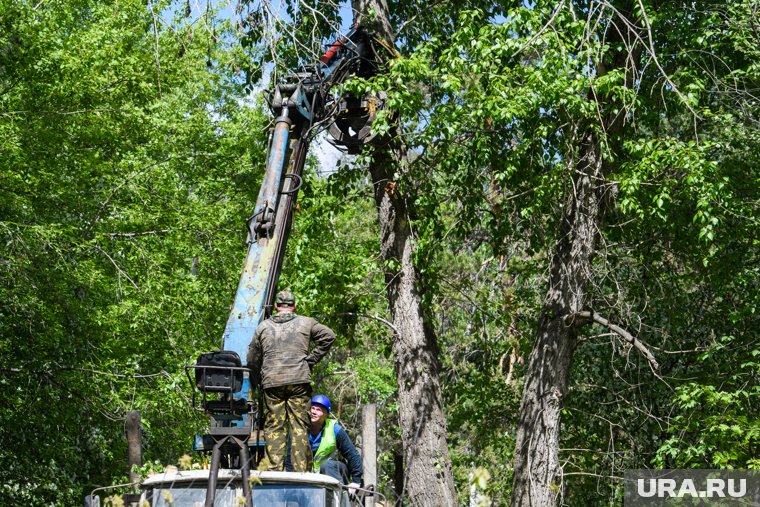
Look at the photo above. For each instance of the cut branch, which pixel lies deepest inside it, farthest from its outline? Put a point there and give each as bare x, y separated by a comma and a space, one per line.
595, 317
366, 315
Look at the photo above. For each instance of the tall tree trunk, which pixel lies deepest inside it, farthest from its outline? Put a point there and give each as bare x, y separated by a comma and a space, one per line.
538, 473
428, 479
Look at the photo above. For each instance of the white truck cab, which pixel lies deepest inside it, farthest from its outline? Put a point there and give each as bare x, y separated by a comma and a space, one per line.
271, 489
219, 377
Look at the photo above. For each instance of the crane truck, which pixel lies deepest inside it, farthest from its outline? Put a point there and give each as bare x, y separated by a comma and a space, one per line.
302, 103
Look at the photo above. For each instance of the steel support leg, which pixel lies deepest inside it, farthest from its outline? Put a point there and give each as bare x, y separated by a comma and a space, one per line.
245, 468
213, 474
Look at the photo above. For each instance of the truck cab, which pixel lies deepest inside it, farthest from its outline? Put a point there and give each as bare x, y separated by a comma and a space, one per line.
271, 489
235, 442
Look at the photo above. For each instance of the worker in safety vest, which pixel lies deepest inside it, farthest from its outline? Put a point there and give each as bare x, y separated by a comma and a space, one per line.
328, 438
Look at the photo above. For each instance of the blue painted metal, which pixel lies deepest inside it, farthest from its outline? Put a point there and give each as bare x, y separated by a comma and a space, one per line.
299, 104
301, 101
256, 281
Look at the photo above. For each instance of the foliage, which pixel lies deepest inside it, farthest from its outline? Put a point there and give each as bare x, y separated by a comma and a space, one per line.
124, 157
718, 422
131, 156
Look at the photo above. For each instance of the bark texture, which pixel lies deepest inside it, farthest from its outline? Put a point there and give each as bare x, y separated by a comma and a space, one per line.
538, 473
537, 479
134, 443
428, 480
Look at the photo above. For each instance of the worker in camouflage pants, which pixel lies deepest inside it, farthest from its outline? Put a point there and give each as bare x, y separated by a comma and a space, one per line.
280, 360
287, 403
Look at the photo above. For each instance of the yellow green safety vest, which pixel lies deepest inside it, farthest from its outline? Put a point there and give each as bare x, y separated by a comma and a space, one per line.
327, 445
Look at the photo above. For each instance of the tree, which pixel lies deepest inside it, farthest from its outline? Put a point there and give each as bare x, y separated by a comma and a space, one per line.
126, 161
427, 465
537, 466
550, 122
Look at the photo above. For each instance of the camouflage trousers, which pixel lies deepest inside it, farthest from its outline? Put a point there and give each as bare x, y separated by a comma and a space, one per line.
287, 411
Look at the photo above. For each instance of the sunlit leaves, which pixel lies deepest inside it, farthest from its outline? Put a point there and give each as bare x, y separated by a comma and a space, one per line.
123, 190
729, 425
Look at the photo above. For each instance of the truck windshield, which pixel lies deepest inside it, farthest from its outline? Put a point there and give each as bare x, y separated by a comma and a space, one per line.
289, 496
191, 497
263, 495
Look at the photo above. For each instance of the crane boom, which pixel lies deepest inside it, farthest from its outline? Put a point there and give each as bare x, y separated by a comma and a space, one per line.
300, 101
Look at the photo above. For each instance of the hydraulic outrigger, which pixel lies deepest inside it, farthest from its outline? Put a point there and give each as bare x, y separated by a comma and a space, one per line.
302, 103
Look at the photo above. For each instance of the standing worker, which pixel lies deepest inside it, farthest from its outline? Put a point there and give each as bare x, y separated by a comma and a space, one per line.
326, 437
280, 361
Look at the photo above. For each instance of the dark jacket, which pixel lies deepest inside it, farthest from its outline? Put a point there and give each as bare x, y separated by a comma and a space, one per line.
279, 352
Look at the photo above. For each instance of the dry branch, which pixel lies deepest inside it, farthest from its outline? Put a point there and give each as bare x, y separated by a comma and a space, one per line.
595, 317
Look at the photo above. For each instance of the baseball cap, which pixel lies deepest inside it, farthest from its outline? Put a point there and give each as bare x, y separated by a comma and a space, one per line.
285, 298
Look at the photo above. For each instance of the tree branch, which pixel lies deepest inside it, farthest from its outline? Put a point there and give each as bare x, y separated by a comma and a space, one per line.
118, 268
595, 317
136, 234
374, 317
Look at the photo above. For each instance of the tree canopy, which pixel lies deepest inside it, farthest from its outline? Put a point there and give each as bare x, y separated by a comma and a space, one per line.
576, 183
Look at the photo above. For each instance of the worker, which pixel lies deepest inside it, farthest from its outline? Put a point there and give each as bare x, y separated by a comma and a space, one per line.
280, 361
326, 437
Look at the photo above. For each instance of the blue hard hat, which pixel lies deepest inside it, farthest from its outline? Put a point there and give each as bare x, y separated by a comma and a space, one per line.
322, 401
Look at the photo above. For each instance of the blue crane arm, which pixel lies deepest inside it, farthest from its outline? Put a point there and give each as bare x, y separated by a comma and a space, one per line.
300, 101
262, 262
